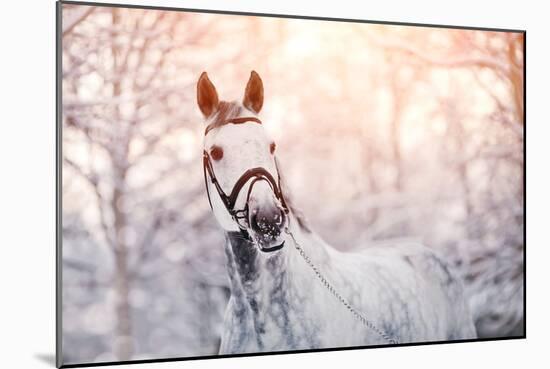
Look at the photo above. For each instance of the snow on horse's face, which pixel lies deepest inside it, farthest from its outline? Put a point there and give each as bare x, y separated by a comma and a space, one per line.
233, 145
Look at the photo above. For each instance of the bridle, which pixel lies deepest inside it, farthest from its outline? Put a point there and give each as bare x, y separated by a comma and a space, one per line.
240, 216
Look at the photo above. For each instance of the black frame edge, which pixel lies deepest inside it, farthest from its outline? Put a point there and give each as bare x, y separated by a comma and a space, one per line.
253, 354
58, 189
525, 184
288, 16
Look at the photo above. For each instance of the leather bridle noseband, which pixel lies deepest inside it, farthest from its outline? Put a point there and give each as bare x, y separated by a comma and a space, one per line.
240, 216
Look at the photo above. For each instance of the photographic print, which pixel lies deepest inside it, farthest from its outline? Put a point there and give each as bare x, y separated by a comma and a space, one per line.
239, 184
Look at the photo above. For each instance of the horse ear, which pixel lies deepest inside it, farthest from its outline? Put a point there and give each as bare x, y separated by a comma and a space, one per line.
207, 97
254, 93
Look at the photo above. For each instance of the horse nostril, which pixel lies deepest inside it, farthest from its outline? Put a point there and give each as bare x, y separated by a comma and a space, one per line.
279, 218
267, 221
254, 220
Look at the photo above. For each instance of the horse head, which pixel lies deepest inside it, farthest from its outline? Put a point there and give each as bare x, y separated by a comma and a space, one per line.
240, 168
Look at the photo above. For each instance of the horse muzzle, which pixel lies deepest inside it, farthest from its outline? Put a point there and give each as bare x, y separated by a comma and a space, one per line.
267, 218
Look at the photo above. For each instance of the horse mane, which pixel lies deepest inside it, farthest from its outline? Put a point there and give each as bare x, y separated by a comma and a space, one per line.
298, 214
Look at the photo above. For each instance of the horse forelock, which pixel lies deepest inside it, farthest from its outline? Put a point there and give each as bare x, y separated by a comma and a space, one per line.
226, 110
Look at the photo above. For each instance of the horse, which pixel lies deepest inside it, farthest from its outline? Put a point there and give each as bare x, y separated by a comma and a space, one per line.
292, 291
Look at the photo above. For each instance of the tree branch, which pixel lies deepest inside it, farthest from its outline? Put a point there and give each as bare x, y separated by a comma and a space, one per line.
465, 61
92, 180
79, 15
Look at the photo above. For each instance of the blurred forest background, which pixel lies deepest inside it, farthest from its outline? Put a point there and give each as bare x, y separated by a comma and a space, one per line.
383, 132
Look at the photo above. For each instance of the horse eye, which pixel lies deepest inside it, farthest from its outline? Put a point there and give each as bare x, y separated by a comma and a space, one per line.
216, 152
272, 147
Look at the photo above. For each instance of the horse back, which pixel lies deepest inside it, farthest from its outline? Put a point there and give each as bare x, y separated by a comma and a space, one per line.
417, 295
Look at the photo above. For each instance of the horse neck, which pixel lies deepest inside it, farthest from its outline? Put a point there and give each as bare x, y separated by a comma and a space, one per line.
261, 280
252, 273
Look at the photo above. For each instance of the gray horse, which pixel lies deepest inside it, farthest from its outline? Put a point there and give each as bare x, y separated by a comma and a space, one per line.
289, 289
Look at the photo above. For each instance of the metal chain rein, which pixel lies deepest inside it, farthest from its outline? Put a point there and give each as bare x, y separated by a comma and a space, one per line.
342, 300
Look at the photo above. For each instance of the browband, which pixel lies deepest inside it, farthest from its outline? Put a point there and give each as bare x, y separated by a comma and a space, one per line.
240, 120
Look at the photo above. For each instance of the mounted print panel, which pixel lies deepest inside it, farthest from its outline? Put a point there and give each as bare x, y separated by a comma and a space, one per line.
246, 184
